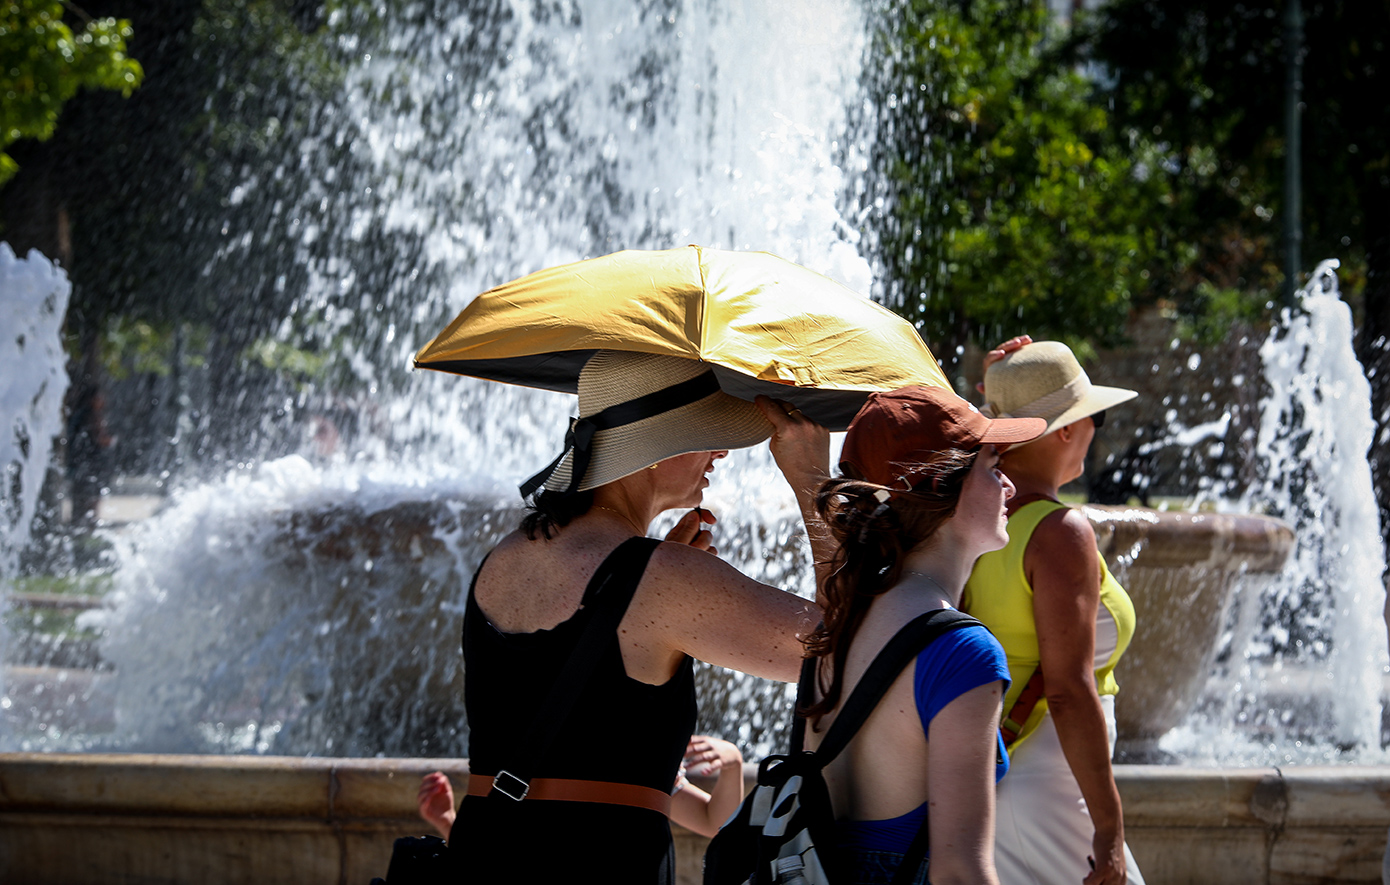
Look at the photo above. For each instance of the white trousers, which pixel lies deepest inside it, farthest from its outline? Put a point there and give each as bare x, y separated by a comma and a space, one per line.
1042, 830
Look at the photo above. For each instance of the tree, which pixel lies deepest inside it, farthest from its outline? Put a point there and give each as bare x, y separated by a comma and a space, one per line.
1010, 201
43, 63
1206, 76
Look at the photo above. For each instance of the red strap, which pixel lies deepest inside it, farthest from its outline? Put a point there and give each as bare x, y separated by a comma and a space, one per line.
567, 790
1018, 714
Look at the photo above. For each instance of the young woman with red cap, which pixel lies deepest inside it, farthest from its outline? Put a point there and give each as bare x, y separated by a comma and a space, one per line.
921, 496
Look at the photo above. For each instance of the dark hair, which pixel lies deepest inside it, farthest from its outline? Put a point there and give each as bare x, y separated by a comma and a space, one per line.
549, 511
875, 526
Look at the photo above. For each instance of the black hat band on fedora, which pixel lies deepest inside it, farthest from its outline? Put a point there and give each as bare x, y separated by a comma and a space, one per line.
581, 432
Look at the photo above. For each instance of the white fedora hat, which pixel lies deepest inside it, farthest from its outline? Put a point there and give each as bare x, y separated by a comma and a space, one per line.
1044, 380
636, 409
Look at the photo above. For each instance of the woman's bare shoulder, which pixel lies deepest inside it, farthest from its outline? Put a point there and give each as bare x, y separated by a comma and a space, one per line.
683, 562
1066, 530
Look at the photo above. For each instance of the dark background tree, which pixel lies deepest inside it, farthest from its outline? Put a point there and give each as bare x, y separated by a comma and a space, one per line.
44, 62
1205, 77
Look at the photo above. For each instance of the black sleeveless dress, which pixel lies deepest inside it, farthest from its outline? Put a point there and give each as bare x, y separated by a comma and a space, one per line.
620, 730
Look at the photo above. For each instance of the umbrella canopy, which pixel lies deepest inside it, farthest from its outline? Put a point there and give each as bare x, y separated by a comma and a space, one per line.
765, 324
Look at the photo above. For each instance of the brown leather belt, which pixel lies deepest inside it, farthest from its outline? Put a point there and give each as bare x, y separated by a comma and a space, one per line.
566, 790
1013, 723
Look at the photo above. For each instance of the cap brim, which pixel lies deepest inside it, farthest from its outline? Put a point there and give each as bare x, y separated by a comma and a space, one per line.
1012, 431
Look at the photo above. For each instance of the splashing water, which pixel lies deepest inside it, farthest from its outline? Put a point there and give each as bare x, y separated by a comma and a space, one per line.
491, 145
311, 604
1305, 661
32, 364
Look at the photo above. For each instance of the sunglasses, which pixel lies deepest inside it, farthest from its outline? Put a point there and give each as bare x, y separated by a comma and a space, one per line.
1098, 419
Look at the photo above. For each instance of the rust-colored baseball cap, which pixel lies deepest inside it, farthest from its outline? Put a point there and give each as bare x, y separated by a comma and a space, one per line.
897, 431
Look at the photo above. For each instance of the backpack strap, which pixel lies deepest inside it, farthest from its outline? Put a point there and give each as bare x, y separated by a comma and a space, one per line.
612, 589
905, 645
902, 648
805, 694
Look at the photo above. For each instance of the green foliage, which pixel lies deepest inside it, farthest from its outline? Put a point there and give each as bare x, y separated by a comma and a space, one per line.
1209, 312
282, 357
137, 346
1014, 204
262, 54
80, 584
43, 63
1207, 77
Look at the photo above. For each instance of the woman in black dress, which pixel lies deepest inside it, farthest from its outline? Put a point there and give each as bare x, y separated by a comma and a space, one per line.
651, 429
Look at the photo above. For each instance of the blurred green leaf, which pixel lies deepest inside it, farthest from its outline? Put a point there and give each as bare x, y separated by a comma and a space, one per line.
44, 62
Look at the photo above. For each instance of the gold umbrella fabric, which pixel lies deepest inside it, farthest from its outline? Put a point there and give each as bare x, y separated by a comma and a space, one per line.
765, 324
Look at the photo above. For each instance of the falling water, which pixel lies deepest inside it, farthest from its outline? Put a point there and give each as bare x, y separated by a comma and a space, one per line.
310, 604
1305, 661
31, 401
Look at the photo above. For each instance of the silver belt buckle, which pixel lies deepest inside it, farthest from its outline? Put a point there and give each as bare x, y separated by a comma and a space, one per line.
511, 786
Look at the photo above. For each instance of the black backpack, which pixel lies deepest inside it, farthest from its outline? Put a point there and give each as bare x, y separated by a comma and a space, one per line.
784, 830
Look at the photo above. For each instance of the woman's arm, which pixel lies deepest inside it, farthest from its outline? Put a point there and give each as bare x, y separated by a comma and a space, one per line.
696, 604
801, 448
961, 754
692, 807
1063, 567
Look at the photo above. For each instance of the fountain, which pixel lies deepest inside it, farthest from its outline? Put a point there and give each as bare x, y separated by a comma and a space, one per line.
289, 619
31, 362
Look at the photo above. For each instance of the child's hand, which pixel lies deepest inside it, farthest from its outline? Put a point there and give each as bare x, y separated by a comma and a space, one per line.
706, 756
436, 802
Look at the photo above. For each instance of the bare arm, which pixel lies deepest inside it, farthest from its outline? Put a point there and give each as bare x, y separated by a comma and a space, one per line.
692, 807
700, 606
801, 448
696, 604
1066, 595
961, 748
999, 352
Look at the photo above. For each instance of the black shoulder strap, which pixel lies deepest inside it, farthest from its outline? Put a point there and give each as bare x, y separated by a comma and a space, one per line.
624, 568
903, 647
906, 644
805, 696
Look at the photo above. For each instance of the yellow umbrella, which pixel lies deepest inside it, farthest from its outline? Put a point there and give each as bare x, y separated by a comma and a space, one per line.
765, 324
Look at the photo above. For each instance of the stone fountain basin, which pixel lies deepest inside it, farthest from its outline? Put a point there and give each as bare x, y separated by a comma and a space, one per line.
391, 580
228, 820
1181, 570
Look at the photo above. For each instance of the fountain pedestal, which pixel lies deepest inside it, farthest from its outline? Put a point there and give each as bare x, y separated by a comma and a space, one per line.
1182, 571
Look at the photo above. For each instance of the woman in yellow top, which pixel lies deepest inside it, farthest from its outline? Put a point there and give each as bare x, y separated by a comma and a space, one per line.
1054, 606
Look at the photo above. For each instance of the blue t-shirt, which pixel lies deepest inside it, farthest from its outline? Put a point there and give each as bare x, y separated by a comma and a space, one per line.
950, 666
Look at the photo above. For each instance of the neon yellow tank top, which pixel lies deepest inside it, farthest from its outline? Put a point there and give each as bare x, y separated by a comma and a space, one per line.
998, 593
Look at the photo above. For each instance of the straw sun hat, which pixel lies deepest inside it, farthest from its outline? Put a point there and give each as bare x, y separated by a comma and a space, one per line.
636, 409
1044, 380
